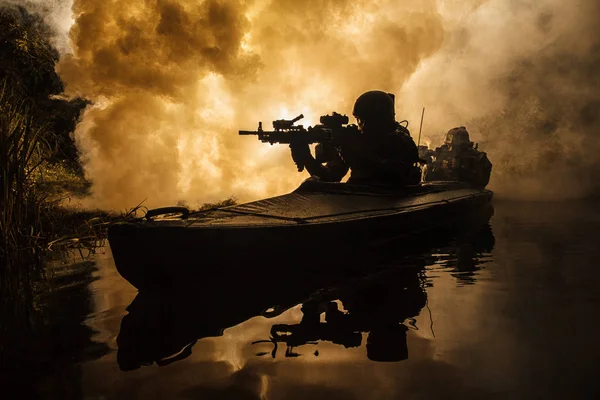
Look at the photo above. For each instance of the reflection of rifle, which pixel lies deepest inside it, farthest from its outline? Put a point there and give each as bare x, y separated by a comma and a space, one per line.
332, 129
342, 333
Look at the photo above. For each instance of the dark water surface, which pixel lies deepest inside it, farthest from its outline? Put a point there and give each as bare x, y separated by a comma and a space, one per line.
511, 312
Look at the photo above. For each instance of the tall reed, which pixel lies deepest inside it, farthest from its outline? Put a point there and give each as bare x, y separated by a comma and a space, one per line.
20, 202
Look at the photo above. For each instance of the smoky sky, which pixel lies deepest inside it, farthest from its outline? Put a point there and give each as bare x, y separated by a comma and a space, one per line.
172, 81
523, 77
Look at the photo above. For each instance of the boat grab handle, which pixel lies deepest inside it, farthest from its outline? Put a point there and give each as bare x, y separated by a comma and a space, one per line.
168, 210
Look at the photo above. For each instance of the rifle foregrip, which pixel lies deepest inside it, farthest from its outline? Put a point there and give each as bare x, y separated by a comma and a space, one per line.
300, 166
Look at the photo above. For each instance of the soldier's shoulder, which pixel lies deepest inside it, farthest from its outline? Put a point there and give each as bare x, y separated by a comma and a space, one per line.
401, 140
401, 134
476, 153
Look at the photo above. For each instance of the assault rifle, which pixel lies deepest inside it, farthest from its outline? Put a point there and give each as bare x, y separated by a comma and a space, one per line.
332, 131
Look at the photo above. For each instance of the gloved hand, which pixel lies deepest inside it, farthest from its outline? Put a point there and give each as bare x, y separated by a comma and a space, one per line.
300, 154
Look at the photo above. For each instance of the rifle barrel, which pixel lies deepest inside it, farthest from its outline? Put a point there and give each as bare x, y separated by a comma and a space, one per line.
248, 132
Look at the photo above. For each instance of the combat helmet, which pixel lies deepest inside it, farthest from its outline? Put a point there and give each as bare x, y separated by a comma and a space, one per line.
458, 137
375, 107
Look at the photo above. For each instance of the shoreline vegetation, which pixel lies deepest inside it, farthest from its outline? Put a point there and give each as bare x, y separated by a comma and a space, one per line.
39, 171
39, 163
46, 243
36, 227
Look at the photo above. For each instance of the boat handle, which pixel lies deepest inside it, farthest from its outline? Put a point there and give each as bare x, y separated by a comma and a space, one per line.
168, 210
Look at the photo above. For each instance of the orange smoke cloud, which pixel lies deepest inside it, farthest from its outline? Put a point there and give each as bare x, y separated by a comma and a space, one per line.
173, 80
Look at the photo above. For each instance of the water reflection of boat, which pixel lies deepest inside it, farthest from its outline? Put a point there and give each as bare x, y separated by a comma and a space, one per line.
338, 222
376, 299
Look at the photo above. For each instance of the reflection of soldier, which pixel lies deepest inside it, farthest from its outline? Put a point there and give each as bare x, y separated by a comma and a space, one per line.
383, 153
459, 160
379, 305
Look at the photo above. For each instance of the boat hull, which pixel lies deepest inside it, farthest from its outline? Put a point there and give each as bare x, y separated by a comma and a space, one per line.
317, 229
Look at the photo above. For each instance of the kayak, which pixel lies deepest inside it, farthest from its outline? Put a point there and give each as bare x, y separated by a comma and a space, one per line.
318, 226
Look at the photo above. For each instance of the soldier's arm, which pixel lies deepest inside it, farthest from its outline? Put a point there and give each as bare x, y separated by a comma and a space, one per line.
482, 170
332, 171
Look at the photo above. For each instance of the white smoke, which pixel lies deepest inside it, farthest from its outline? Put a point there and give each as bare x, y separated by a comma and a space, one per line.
522, 76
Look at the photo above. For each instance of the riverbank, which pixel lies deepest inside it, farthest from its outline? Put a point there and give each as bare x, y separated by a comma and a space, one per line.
68, 228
